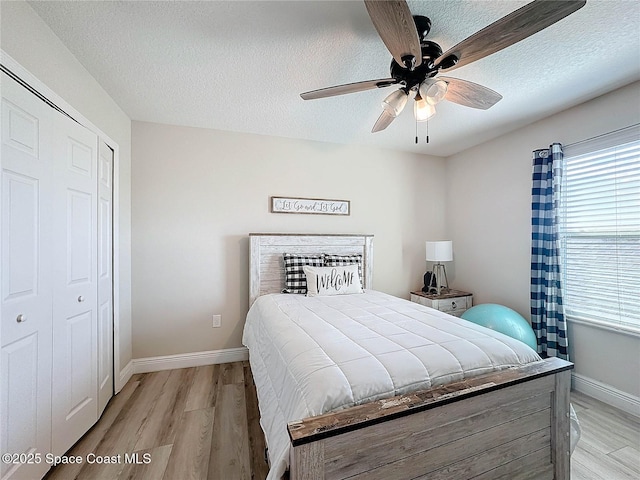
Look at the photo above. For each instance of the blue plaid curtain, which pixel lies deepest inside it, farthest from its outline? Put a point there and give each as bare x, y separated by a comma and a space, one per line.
547, 312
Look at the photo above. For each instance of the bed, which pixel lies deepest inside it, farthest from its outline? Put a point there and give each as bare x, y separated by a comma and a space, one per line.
340, 399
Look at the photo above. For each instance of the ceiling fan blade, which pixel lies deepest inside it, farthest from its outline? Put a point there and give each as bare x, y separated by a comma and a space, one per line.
394, 23
470, 94
516, 26
384, 120
348, 88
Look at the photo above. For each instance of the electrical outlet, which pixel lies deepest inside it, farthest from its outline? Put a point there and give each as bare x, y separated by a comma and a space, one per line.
217, 321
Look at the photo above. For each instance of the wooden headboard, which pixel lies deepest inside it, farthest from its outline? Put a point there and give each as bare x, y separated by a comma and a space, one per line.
266, 265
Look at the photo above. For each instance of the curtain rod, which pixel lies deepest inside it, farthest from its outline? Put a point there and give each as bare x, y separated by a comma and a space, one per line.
601, 135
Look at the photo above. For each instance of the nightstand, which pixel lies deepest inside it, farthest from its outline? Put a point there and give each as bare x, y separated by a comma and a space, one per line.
454, 302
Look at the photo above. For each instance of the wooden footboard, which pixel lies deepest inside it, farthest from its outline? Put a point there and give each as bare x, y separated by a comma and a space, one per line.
512, 424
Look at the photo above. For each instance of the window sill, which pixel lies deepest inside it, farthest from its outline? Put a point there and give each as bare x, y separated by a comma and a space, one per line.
611, 327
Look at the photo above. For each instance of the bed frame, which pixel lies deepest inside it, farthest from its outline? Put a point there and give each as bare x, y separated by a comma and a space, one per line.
512, 424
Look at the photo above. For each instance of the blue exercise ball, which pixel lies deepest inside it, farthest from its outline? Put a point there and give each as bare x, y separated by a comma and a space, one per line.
504, 320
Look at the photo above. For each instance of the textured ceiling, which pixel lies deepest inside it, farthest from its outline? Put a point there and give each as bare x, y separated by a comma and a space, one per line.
240, 66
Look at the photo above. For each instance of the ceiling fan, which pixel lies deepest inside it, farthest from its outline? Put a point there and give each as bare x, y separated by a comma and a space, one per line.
417, 62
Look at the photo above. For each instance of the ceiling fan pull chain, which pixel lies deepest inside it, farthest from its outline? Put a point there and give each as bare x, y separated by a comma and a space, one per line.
416, 131
427, 131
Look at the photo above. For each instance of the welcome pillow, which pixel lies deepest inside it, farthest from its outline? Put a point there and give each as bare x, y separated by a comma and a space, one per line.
325, 281
331, 260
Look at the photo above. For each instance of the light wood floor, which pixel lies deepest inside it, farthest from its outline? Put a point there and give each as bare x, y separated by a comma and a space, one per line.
202, 423
609, 448
196, 423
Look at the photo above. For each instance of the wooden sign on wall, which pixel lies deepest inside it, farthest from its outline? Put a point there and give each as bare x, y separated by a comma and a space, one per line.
310, 205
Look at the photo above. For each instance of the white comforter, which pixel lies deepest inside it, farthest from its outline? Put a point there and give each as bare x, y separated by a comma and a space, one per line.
310, 355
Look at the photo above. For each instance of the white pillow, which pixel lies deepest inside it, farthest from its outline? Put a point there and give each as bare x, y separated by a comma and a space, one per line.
342, 280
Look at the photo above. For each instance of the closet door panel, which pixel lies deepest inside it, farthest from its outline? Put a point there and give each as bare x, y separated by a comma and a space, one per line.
21, 129
75, 284
25, 284
20, 371
79, 359
21, 201
25, 268
22, 409
26, 214
79, 237
105, 276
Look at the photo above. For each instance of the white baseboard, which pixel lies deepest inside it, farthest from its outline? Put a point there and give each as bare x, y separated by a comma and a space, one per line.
186, 360
125, 375
606, 393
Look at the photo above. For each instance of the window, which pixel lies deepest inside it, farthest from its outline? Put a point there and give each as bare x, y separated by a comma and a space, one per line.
600, 229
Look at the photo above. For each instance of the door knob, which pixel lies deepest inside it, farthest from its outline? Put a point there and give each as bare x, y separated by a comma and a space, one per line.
80, 299
21, 318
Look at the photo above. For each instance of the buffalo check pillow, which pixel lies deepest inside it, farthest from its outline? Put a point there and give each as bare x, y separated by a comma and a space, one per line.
295, 280
342, 260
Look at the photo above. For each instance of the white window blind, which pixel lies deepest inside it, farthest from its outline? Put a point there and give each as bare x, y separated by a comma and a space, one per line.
600, 229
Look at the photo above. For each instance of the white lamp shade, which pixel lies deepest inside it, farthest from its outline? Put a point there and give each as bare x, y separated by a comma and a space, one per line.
440, 251
423, 111
433, 91
395, 102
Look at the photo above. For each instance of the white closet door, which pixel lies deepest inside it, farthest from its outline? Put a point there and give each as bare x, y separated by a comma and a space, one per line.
75, 336
105, 276
25, 378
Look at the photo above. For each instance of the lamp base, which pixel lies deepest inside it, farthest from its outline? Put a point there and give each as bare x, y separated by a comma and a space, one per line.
441, 278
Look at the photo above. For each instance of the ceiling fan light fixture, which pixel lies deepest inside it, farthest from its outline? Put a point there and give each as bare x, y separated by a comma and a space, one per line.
395, 102
423, 110
417, 61
433, 91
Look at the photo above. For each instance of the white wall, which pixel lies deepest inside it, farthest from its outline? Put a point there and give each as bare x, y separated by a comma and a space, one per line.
489, 221
198, 193
29, 41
